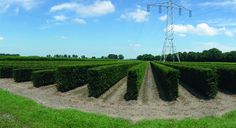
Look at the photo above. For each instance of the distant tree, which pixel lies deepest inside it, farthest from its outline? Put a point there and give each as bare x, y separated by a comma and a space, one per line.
146, 57
48, 56
211, 55
74, 56
112, 56
65, 56
93, 57
83, 57
121, 57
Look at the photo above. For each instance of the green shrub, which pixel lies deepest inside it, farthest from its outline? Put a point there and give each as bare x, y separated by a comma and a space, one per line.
226, 74
102, 78
168, 78
203, 80
43, 77
71, 77
135, 79
227, 78
6, 72
23, 75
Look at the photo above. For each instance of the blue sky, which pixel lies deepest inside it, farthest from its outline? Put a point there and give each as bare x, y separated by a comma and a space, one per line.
100, 27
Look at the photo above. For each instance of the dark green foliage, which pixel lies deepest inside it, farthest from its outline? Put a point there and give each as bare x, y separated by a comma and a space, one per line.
23, 75
70, 77
112, 56
203, 80
168, 78
226, 74
6, 72
211, 55
227, 78
43, 77
102, 78
135, 79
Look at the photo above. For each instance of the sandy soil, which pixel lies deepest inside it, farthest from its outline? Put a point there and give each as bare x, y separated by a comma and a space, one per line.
116, 93
148, 92
149, 105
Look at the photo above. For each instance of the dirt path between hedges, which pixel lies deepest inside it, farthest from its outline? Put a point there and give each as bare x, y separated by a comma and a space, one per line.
148, 92
185, 106
116, 93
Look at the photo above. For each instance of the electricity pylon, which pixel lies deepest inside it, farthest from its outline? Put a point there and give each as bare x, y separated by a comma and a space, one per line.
169, 46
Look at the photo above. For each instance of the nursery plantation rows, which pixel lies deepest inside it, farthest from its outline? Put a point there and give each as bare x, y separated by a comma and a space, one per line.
205, 79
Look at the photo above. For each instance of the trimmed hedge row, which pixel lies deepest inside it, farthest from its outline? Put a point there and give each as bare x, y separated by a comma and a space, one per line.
227, 78
102, 78
6, 72
226, 74
135, 79
71, 77
168, 78
23, 75
43, 77
203, 80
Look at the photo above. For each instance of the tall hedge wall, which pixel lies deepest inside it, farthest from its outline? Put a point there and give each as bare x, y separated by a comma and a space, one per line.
22, 75
43, 77
226, 74
168, 78
6, 72
71, 77
203, 80
136, 76
102, 78
227, 78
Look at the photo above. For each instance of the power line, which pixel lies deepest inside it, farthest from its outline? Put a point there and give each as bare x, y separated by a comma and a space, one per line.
169, 46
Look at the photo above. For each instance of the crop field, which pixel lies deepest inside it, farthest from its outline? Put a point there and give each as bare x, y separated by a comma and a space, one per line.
132, 90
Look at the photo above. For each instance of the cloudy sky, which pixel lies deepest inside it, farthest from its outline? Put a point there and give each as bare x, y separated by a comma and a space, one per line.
100, 27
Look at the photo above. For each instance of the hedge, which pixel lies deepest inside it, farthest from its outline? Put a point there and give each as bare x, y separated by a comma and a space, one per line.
227, 78
43, 77
71, 77
136, 76
203, 80
23, 75
226, 74
102, 78
168, 78
6, 72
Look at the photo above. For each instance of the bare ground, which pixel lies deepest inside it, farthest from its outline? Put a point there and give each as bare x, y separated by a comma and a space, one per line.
116, 93
148, 92
151, 107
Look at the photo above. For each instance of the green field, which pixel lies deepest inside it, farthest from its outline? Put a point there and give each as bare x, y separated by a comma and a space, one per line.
18, 112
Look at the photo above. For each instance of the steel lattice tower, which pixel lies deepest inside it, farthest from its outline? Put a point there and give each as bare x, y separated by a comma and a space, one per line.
169, 46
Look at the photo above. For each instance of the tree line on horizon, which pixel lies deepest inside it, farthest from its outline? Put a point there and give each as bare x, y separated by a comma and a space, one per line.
211, 55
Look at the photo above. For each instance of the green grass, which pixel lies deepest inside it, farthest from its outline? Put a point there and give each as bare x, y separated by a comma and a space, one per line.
18, 112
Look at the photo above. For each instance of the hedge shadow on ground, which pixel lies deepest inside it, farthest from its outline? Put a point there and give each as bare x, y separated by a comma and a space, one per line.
195, 93
228, 92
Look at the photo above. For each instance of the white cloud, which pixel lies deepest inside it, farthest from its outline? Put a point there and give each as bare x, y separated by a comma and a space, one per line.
137, 15
182, 35
202, 29
219, 3
98, 8
25, 4
60, 18
1, 38
163, 18
79, 21
62, 37
135, 45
